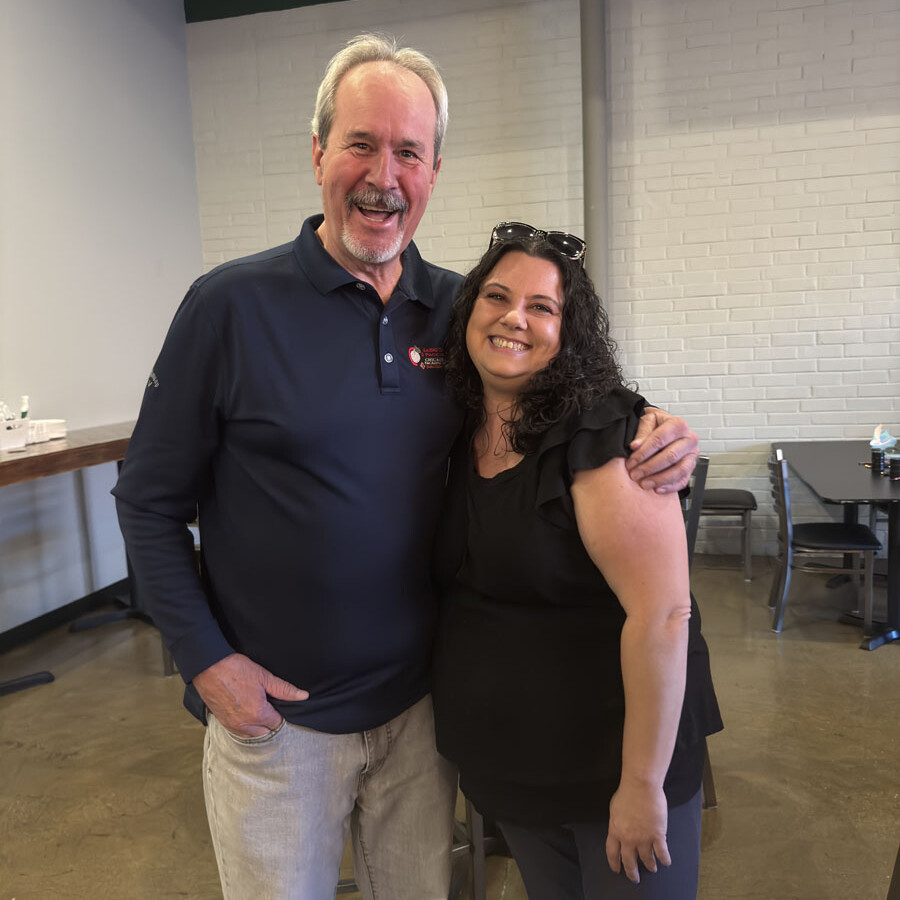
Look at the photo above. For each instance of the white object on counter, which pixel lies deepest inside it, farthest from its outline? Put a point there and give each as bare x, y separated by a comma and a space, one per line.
40, 430
13, 434
37, 431
56, 428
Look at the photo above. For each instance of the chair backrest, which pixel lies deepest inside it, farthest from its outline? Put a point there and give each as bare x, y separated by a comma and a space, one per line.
693, 505
781, 500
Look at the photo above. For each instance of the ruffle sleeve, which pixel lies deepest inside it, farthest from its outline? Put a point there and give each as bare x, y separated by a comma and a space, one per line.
585, 440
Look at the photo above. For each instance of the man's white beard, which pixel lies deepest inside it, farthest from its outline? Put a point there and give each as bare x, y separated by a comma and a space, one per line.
369, 254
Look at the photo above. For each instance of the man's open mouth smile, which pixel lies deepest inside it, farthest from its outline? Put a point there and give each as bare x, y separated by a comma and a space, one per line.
376, 215
376, 206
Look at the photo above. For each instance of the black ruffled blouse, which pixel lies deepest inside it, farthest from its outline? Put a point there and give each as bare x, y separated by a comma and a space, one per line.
528, 691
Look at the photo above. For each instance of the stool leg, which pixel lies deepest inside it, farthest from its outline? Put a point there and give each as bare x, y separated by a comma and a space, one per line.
708, 785
476, 832
746, 540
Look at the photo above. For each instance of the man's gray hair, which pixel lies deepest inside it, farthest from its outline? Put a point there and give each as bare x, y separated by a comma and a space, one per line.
378, 48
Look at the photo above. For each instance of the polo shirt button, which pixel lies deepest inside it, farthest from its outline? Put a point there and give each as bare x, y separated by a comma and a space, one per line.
384, 321
360, 285
388, 357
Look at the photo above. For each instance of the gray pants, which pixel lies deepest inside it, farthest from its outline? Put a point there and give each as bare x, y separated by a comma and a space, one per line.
568, 862
280, 807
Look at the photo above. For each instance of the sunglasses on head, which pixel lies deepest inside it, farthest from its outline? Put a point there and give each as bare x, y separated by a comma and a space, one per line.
565, 244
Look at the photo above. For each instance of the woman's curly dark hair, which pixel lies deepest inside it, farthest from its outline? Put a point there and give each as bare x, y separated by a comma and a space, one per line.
583, 372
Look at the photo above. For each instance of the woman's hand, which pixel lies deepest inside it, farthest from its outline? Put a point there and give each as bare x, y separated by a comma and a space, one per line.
638, 815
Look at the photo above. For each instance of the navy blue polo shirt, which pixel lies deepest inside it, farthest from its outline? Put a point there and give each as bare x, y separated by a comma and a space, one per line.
309, 424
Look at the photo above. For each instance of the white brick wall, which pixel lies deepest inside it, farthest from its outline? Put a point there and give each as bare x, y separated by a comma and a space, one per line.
754, 154
513, 148
755, 259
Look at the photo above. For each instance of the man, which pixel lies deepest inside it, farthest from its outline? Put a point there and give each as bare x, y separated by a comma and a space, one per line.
298, 403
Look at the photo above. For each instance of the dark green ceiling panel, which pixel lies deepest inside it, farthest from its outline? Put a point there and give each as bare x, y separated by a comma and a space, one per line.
203, 10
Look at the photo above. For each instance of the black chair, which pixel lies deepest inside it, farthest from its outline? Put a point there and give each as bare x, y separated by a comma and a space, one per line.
874, 517
733, 502
817, 539
709, 798
476, 838
692, 504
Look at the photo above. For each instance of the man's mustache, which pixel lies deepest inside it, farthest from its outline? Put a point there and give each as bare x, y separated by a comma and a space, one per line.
374, 199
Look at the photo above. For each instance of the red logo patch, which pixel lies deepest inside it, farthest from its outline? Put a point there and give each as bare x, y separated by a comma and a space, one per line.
427, 357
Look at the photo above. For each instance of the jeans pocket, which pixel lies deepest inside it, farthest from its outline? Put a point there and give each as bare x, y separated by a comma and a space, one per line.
258, 739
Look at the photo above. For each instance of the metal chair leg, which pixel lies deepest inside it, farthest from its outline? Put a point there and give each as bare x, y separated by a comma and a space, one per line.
781, 599
775, 590
476, 838
746, 541
708, 786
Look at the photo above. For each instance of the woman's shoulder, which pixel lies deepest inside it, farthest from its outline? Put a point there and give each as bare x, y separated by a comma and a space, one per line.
585, 439
619, 410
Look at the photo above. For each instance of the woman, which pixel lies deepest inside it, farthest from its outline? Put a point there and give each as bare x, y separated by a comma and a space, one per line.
572, 684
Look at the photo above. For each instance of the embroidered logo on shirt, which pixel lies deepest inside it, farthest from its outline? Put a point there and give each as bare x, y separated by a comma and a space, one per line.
152, 381
427, 358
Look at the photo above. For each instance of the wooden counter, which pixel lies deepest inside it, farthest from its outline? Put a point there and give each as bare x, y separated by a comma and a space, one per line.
79, 449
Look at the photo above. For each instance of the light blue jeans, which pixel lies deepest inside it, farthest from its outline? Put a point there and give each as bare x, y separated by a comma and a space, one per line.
280, 807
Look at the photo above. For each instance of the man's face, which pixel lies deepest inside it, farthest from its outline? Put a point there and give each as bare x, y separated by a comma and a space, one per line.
378, 170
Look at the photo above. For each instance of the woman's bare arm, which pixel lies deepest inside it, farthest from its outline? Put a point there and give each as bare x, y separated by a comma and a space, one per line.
637, 540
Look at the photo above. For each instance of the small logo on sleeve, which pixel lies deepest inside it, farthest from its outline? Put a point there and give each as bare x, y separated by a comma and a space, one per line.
427, 357
152, 381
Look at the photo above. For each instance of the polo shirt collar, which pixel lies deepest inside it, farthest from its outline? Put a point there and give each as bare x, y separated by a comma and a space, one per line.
327, 275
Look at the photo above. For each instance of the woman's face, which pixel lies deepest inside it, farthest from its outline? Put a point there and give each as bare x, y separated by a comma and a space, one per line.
513, 330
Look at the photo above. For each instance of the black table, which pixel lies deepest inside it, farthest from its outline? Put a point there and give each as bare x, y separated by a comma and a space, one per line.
834, 472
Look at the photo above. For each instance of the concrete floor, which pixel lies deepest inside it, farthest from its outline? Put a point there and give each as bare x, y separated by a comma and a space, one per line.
100, 795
